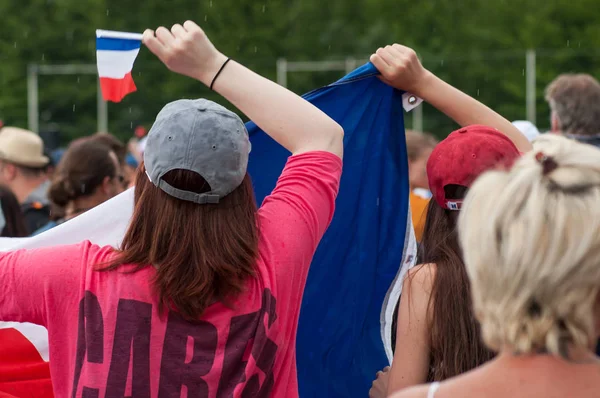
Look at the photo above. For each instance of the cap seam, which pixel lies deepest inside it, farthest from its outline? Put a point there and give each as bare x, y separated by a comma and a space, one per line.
187, 159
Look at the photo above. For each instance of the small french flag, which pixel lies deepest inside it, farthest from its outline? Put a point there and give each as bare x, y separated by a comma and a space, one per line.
115, 55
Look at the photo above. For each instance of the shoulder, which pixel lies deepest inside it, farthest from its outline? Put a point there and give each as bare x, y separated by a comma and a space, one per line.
417, 289
421, 276
412, 392
312, 167
86, 251
49, 225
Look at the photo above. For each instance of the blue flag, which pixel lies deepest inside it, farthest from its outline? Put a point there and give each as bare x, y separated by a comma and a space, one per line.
355, 279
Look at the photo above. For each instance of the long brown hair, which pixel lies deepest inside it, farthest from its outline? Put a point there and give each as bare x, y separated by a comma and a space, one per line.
202, 253
455, 338
15, 221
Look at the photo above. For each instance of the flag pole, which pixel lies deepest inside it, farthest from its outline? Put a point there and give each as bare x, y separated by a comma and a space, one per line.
111, 34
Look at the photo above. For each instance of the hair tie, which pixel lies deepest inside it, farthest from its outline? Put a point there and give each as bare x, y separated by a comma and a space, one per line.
548, 163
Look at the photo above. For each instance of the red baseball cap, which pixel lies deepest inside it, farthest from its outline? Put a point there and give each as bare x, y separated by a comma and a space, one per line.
463, 156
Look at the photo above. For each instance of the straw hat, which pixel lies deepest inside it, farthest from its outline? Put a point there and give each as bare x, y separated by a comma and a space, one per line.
22, 147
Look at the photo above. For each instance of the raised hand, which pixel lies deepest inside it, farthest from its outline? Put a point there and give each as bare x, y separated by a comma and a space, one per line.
186, 50
400, 67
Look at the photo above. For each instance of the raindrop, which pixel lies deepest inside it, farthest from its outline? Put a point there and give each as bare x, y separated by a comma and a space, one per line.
78, 79
26, 34
264, 8
329, 48
568, 43
43, 57
107, 11
15, 44
129, 109
442, 62
205, 18
478, 92
255, 49
579, 44
131, 125
210, 4
73, 107
523, 72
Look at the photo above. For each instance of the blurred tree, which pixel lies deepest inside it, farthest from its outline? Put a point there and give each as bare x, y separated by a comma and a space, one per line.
477, 45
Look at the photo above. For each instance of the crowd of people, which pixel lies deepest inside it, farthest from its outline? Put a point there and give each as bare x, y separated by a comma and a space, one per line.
40, 191
504, 301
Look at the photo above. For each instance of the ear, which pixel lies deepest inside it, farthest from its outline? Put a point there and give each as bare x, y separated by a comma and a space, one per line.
10, 171
106, 186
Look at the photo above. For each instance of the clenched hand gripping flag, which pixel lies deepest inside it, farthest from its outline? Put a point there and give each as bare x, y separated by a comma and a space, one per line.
115, 55
344, 336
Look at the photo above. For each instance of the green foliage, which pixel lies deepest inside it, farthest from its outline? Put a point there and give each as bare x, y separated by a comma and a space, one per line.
477, 45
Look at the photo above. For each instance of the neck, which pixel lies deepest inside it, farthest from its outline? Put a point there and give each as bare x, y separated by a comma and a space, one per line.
81, 205
577, 356
22, 188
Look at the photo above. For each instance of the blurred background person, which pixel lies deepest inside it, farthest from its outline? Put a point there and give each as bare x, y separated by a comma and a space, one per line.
574, 101
88, 175
538, 305
118, 148
129, 170
12, 222
23, 170
418, 146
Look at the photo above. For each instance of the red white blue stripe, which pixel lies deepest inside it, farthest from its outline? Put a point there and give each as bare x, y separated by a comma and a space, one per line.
115, 55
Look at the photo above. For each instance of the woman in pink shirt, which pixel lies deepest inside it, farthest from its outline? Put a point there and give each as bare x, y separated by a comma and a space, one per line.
202, 299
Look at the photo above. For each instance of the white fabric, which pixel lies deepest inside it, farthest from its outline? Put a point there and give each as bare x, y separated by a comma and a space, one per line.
406, 102
105, 224
111, 34
527, 128
115, 64
433, 387
37, 335
424, 193
393, 295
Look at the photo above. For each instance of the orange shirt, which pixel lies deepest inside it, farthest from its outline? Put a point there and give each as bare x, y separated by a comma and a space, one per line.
418, 208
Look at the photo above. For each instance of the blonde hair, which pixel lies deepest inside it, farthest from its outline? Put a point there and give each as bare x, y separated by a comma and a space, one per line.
531, 243
417, 142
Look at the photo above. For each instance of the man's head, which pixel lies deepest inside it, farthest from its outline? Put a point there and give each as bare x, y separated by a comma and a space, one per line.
574, 101
22, 161
418, 147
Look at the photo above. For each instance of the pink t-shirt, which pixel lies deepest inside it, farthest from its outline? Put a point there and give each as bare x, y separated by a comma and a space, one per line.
106, 336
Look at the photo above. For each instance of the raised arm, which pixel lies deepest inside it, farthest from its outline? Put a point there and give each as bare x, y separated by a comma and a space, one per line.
400, 67
410, 366
291, 121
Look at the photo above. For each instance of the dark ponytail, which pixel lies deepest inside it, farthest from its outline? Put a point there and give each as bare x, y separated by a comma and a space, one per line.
82, 170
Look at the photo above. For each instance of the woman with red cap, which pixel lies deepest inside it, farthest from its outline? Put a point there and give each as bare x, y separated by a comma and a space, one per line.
437, 336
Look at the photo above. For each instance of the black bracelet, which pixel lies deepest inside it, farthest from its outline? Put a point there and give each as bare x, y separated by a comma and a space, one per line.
219, 72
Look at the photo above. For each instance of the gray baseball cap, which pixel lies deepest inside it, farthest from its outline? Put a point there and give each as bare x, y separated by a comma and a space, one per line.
199, 136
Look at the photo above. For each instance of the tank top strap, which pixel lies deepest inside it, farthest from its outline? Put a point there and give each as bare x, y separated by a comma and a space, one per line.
433, 387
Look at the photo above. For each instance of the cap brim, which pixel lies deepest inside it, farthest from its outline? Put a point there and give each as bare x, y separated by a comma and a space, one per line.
38, 162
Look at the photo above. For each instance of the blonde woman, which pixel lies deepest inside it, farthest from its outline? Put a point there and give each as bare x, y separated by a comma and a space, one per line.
533, 267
